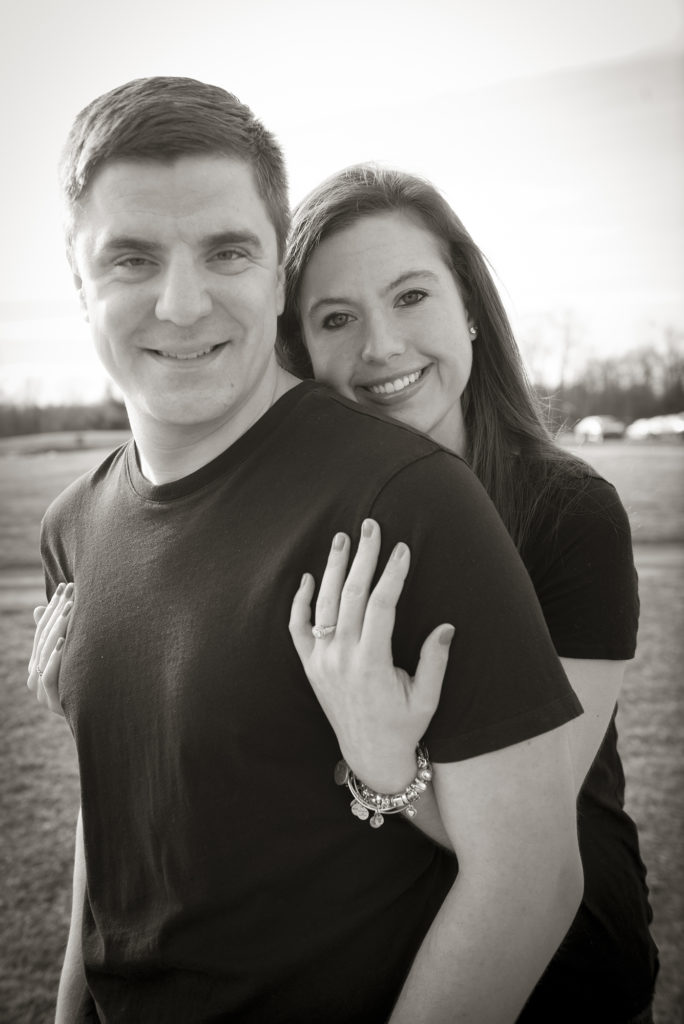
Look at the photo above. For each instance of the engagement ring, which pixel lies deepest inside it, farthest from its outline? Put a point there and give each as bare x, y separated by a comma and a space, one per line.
320, 631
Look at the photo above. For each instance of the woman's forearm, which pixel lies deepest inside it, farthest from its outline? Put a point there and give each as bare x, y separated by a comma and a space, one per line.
486, 950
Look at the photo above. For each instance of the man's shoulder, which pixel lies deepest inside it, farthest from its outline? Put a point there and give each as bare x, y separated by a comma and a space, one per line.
353, 453
352, 430
82, 491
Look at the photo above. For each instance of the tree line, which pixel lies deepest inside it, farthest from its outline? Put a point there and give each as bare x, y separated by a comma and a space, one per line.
108, 414
644, 382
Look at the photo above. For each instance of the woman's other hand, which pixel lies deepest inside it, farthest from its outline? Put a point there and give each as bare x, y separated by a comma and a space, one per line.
379, 713
51, 626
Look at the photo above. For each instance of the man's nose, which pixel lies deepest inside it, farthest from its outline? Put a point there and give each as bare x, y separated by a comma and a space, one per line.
183, 298
381, 341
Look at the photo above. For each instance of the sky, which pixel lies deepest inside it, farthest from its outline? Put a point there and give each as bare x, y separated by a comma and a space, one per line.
554, 129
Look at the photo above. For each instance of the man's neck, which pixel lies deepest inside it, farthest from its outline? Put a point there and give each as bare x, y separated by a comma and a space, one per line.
169, 451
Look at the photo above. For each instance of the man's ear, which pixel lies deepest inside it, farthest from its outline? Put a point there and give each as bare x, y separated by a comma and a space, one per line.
77, 279
81, 298
280, 289
78, 283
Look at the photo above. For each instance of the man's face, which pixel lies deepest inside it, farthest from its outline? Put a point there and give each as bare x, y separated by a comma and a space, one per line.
178, 273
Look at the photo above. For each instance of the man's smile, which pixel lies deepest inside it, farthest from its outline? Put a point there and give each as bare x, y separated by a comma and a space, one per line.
188, 356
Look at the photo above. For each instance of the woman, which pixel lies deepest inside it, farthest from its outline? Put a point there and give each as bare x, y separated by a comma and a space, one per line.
390, 302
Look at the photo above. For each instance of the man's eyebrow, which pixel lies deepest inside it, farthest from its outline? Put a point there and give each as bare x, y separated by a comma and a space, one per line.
136, 243
233, 237
120, 243
341, 300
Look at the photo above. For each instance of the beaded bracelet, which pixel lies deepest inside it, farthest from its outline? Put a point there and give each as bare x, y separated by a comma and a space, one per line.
367, 800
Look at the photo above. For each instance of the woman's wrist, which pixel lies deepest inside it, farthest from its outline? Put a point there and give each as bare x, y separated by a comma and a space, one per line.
370, 804
385, 772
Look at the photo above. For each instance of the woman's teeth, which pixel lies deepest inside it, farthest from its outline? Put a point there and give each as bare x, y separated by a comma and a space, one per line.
392, 386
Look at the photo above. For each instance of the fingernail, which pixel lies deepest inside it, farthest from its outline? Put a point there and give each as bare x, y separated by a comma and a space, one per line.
67, 610
368, 527
446, 635
60, 644
400, 550
60, 588
68, 590
339, 540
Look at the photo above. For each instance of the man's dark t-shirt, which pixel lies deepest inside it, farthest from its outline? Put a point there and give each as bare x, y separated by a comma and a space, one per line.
227, 879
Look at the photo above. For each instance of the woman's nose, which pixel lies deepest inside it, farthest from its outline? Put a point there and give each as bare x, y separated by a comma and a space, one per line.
381, 341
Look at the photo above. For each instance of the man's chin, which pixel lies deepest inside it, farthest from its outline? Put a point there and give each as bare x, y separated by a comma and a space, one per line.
197, 419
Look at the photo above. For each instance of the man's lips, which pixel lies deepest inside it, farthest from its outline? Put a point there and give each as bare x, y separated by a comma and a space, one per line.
184, 357
394, 385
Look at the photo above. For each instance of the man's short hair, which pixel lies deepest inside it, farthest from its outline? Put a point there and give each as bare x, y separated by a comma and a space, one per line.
162, 119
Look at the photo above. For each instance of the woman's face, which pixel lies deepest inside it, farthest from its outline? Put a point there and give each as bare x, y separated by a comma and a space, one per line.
385, 324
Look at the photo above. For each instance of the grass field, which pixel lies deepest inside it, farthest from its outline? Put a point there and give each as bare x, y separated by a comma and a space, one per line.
38, 774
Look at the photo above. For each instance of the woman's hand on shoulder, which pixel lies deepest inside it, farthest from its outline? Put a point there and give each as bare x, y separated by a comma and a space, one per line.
379, 712
51, 626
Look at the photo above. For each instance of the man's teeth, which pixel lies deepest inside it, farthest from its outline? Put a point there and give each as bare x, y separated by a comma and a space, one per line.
188, 355
399, 384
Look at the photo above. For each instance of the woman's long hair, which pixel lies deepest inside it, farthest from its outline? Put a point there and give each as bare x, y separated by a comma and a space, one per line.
508, 445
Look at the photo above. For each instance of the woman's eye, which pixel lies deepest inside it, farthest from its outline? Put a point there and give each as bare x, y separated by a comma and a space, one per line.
335, 320
412, 298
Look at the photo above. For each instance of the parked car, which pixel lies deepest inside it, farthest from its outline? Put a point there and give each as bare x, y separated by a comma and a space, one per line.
599, 428
669, 427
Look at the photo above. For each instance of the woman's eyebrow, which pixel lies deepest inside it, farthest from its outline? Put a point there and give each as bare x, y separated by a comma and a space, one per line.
408, 275
331, 300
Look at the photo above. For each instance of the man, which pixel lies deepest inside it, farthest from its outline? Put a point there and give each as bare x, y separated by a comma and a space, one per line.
218, 872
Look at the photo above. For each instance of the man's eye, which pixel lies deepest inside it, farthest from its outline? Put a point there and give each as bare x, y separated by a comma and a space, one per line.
132, 261
412, 298
335, 320
228, 255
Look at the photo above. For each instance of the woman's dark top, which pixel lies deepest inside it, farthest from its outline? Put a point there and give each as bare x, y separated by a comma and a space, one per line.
579, 556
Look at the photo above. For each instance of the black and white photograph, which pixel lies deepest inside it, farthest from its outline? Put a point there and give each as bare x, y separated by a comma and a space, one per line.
342, 515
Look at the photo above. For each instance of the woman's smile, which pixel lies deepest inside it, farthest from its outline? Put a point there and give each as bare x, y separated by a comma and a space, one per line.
385, 323
395, 388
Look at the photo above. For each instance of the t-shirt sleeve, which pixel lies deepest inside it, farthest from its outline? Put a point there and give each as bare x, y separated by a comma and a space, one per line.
504, 683
582, 566
51, 571
66, 524
55, 540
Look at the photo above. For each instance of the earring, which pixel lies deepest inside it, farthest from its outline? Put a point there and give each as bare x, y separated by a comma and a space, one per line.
473, 332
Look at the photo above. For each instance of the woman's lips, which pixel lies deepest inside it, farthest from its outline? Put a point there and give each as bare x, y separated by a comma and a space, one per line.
395, 386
